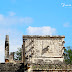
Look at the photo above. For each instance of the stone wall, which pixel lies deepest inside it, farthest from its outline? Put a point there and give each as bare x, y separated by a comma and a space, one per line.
11, 59
52, 68
44, 49
19, 67
10, 67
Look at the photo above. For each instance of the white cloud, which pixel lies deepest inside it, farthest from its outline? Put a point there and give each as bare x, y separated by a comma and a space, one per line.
26, 20
1, 52
46, 30
1, 17
66, 25
12, 13
9, 20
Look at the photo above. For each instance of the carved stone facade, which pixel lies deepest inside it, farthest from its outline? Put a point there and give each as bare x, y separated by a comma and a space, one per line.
44, 49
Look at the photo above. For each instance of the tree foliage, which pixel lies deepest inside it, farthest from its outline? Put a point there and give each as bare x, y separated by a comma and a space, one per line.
68, 55
18, 54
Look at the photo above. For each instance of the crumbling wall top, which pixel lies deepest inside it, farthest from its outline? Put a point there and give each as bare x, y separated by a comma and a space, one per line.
43, 36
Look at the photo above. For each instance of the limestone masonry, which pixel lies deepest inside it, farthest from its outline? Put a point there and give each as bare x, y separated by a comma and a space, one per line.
44, 49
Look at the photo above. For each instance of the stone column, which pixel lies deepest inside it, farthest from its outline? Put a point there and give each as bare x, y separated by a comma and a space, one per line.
23, 52
22, 55
7, 48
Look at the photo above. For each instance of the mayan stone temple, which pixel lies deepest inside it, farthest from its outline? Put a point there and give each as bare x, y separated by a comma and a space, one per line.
43, 49
40, 53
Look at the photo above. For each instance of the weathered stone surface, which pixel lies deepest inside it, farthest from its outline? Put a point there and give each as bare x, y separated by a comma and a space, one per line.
10, 67
51, 67
42, 54
43, 36
7, 48
44, 49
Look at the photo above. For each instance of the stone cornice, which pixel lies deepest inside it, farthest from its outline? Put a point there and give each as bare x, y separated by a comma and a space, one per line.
43, 36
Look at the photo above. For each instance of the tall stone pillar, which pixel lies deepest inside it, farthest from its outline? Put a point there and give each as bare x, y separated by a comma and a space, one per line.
23, 51
7, 48
22, 55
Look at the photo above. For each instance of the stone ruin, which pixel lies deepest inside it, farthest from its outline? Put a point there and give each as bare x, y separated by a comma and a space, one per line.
40, 54
38, 49
9, 58
43, 49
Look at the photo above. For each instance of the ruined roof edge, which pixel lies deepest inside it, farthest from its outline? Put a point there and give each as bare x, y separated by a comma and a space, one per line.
43, 36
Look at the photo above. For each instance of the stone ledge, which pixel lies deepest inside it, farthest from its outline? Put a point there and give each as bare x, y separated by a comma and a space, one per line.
51, 67
43, 36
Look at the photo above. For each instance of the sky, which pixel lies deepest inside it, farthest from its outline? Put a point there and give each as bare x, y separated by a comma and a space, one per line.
34, 17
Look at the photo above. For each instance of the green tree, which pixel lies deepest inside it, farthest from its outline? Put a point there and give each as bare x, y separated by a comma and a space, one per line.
68, 55
17, 55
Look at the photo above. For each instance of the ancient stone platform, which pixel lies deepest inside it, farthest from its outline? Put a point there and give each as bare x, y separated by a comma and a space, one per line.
10, 67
